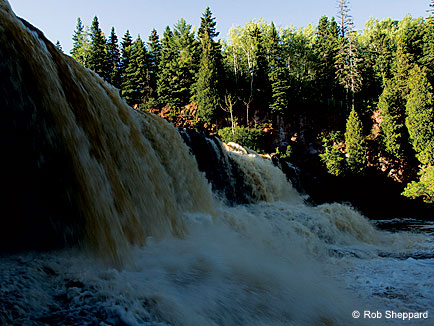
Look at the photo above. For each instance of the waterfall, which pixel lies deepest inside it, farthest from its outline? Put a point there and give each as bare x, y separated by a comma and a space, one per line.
80, 165
135, 223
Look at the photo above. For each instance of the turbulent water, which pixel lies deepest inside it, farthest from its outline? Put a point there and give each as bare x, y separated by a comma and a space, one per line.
131, 228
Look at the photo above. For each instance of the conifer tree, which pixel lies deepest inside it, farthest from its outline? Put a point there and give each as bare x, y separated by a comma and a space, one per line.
114, 60
81, 46
178, 65
136, 85
428, 44
186, 63
59, 46
355, 144
207, 88
166, 80
278, 76
154, 55
420, 115
326, 45
98, 50
207, 25
392, 126
348, 56
126, 47
260, 84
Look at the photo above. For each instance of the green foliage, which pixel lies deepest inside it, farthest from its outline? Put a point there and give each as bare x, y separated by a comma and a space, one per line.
424, 187
420, 115
355, 144
428, 44
81, 45
136, 77
332, 157
98, 50
114, 60
379, 47
207, 25
126, 47
250, 138
325, 47
154, 55
348, 65
278, 75
207, 88
392, 126
260, 85
286, 155
178, 65
59, 47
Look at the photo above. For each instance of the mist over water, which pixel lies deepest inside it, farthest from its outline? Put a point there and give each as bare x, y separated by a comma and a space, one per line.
134, 233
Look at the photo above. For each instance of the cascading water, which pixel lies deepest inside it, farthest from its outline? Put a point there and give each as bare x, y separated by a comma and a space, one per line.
134, 234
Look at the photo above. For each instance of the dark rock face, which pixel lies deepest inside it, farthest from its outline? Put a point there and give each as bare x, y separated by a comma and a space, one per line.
222, 172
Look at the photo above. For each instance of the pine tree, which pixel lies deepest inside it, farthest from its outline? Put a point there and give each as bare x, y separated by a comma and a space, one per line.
278, 76
178, 66
126, 47
392, 128
207, 88
154, 55
348, 56
98, 50
136, 85
344, 17
326, 44
420, 115
114, 60
207, 25
81, 46
260, 84
186, 63
355, 144
166, 80
59, 46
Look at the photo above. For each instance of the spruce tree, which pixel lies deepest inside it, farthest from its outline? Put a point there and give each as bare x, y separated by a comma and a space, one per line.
326, 44
355, 144
98, 50
207, 95
185, 65
178, 65
154, 55
392, 127
348, 56
428, 44
59, 47
207, 25
166, 79
420, 115
278, 76
81, 46
207, 88
260, 84
126, 47
136, 85
114, 60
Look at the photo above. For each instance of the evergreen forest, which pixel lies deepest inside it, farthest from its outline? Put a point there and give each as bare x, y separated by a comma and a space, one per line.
355, 100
